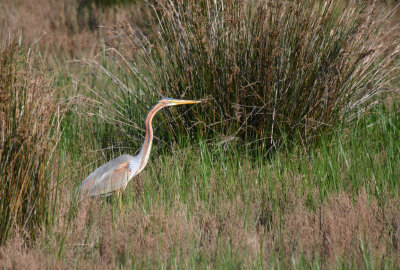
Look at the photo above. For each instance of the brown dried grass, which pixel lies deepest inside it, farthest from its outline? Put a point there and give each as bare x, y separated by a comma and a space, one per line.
342, 227
16, 254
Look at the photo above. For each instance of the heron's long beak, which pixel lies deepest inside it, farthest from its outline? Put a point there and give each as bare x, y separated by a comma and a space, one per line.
181, 102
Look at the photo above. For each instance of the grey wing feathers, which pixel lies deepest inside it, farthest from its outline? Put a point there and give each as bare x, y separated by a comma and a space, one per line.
109, 177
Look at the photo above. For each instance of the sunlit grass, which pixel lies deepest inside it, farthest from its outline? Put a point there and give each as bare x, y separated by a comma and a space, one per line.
362, 155
224, 206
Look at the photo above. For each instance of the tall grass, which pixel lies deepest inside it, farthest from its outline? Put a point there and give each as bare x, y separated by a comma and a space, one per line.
335, 205
29, 119
268, 69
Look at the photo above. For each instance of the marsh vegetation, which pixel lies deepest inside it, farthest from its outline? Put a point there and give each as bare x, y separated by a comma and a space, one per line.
292, 160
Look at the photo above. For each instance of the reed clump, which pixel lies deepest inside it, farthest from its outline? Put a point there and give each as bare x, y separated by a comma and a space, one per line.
29, 116
269, 70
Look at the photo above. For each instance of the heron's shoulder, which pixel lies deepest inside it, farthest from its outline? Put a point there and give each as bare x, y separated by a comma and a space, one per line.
134, 162
123, 158
131, 162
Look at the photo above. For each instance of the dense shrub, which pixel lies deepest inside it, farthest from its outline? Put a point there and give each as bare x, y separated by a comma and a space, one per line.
102, 3
88, 11
268, 69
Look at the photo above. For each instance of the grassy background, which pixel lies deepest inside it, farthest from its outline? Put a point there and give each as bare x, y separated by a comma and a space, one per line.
214, 194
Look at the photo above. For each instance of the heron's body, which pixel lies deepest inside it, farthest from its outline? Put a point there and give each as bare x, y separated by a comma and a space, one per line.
115, 174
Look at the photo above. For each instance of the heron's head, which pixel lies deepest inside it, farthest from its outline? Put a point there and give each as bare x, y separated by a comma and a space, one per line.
173, 102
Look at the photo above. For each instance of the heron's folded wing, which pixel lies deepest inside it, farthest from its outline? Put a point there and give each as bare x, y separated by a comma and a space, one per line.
107, 178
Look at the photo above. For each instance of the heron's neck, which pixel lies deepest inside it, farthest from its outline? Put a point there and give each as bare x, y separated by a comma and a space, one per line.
145, 151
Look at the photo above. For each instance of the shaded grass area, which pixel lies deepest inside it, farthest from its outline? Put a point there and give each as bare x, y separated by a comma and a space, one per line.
197, 206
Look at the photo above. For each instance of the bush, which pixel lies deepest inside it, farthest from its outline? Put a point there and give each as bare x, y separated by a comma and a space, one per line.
102, 3
29, 133
267, 69
88, 11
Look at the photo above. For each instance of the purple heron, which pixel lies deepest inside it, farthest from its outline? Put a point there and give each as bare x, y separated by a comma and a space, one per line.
115, 174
